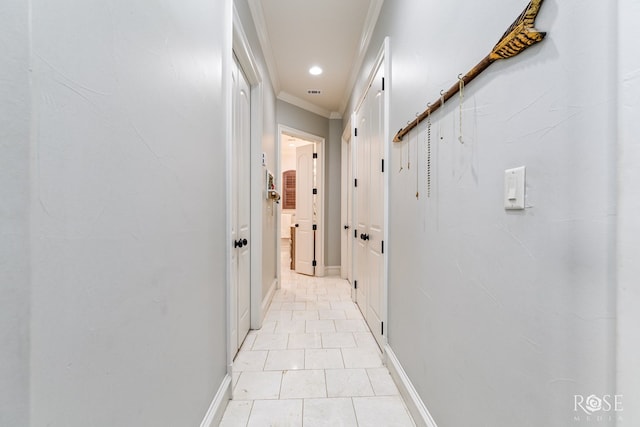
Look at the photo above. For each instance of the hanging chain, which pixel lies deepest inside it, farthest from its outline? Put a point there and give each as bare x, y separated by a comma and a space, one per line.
418, 159
441, 118
429, 154
461, 102
409, 153
401, 157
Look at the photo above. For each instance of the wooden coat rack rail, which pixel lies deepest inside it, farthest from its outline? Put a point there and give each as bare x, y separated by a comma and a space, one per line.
520, 35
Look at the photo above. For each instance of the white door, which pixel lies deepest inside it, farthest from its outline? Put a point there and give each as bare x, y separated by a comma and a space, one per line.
369, 198
375, 234
361, 207
241, 205
347, 210
305, 210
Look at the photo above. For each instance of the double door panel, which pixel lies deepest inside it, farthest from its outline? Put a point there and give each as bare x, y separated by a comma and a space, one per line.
369, 209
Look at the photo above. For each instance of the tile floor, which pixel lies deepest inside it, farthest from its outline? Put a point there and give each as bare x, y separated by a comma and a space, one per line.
313, 363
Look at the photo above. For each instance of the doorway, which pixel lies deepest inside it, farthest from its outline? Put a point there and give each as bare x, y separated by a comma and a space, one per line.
301, 222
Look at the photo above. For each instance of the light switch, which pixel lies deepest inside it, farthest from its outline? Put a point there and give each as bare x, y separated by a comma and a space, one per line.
514, 183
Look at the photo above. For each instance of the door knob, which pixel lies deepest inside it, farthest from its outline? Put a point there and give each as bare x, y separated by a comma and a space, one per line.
346, 227
245, 242
238, 244
297, 225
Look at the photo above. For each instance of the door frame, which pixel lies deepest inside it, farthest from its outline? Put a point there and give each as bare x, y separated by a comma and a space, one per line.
240, 290
346, 204
320, 148
383, 60
239, 45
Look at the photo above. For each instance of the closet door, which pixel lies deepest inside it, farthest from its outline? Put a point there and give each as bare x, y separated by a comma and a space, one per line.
369, 200
375, 241
361, 208
241, 207
305, 211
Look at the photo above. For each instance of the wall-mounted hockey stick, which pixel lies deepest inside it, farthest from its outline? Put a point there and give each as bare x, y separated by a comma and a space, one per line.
520, 35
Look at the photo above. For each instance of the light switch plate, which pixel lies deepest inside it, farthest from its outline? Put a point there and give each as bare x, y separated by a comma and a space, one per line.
514, 184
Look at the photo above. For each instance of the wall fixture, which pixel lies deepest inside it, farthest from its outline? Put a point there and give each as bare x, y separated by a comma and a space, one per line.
270, 183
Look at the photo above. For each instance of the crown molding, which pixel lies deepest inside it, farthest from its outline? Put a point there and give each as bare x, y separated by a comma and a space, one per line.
257, 13
305, 105
369, 26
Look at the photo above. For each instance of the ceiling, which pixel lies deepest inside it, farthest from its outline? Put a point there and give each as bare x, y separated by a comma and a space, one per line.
298, 34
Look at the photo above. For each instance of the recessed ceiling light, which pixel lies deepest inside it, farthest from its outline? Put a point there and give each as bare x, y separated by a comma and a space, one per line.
315, 70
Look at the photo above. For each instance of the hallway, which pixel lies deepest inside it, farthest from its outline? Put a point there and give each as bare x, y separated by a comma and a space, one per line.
140, 220
313, 363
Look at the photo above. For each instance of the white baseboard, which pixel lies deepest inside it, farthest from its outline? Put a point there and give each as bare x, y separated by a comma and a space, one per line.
268, 298
416, 406
219, 404
333, 270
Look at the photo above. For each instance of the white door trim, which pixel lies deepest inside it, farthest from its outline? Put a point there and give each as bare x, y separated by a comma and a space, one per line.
282, 129
384, 57
239, 45
345, 200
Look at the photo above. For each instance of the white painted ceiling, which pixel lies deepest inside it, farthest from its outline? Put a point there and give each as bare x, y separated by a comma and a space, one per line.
298, 34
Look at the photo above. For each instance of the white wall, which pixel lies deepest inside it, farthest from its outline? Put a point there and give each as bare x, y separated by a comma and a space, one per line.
14, 213
270, 255
128, 289
500, 318
629, 205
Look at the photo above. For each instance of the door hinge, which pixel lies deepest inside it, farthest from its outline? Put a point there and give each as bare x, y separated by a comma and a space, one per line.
381, 328
383, 246
315, 155
382, 165
355, 132
355, 284
355, 182
383, 83
314, 263
315, 191
315, 227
